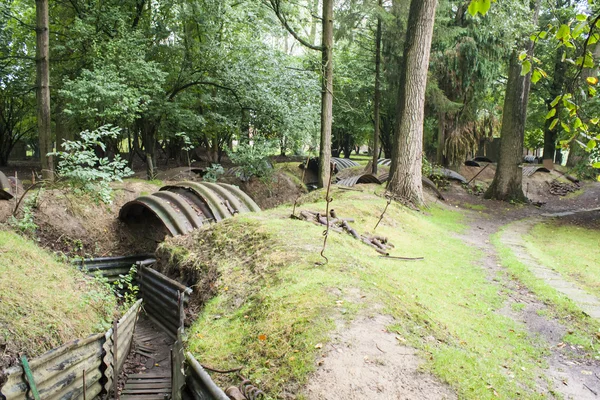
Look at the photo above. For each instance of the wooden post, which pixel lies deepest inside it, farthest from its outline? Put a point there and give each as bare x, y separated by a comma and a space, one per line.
84, 385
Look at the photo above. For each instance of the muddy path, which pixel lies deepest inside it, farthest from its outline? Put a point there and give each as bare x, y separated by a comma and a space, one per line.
569, 375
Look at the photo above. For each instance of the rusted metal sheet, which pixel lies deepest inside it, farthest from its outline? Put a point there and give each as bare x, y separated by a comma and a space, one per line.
185, 206
111, 267
58, 374
125, 330
528, 171
343, 163
449, 174
163, 299
364, 178
200, 386
6, 192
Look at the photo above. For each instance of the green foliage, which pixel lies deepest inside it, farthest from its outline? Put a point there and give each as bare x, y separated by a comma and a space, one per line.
125, 289
213, 173
26, 224
253, 159
88, 172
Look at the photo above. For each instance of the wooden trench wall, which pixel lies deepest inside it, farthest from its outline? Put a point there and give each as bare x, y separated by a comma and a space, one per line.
86, 368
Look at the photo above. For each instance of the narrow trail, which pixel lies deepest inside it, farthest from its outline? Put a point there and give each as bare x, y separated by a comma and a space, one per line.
568, 375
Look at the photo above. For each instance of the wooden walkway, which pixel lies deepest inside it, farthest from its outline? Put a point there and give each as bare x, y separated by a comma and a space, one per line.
151, 348
147, 387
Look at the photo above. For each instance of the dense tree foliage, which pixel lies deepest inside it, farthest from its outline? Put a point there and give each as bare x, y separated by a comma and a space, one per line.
221, 72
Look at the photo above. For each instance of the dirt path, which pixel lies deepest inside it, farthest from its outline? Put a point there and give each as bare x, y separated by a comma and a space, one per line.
365, 361
568, 375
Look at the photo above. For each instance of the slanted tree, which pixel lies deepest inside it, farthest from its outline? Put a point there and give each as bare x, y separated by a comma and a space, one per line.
407, 151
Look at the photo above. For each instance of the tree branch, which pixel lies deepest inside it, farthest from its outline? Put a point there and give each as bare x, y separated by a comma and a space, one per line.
274, 5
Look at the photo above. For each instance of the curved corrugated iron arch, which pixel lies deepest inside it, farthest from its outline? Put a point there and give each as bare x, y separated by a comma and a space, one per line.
365, 178
5, 187
343, 163
185, 206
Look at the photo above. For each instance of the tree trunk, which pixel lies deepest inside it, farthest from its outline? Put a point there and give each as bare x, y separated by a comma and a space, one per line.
556, 88
508, 179
407, 151
377, 97
507, 183
43, 88
327, 93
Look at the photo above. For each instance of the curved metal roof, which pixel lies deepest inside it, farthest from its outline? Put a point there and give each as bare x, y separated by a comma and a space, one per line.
185, 206
365, 178
343, 163
5, 188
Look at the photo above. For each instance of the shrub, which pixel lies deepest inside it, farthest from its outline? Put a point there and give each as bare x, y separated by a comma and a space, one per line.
213, 173
253, 159
88, 172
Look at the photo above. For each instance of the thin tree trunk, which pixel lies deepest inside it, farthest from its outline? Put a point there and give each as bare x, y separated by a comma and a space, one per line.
377, 97
441, 138
407, 151
327, 93
556, 88
43, 88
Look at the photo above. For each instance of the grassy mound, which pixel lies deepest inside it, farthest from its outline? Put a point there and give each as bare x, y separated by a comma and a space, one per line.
43, 302
275, 304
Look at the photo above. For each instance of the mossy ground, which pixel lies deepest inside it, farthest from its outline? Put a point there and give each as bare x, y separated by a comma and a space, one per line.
275, 301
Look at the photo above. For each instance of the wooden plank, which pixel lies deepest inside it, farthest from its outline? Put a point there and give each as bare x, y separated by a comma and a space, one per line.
143, 376
146, 391
146, 385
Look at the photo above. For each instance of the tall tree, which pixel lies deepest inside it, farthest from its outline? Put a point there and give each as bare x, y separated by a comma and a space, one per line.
508, 179
43, 87
407, 151
326, 49
377, 96
327, 93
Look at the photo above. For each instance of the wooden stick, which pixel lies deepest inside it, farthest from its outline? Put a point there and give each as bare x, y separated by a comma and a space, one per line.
404, 258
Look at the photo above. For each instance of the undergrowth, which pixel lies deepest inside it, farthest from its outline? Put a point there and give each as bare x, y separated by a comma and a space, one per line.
273, 303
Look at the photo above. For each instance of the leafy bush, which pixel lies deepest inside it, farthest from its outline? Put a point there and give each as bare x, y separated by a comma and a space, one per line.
254, 159
26, 223
88, 172
213, 173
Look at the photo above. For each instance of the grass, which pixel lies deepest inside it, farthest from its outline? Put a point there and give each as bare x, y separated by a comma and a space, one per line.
43, 302
583, 330
274, 303
572, 251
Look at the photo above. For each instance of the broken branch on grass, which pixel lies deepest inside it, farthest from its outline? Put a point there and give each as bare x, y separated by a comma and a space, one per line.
389, 201
404, 258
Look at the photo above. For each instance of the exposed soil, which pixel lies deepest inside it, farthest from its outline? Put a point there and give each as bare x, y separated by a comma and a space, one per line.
365, 361
282, 189
78, 225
